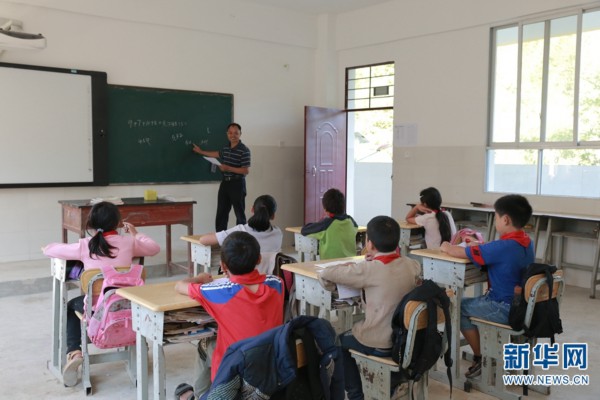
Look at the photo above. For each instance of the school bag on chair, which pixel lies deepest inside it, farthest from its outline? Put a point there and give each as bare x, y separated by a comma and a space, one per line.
546, 321
110, 325
429, 342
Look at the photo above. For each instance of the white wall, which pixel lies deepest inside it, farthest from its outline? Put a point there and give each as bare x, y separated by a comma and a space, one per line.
264, 56
441, 55
275, 62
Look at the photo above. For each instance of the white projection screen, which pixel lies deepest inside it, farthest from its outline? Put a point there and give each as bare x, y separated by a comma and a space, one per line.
52, 127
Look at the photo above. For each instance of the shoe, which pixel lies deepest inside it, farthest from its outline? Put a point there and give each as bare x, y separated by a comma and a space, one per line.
71, 369
400, 392
474, 370
183, 389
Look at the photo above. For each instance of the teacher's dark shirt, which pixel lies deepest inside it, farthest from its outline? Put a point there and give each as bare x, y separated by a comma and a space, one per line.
238, 157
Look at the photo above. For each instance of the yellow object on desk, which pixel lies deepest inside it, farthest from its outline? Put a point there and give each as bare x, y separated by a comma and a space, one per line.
150, 195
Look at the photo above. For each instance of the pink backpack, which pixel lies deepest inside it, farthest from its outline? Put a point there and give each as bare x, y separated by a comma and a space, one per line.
467, 236
111, 324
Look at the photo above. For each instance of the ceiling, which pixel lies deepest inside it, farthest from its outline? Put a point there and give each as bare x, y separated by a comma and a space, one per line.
316, 7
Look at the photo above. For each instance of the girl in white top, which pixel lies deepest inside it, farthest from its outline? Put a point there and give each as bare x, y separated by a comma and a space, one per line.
439, 224
269, 237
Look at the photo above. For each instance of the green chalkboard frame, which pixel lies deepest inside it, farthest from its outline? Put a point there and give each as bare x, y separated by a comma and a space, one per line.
151, 131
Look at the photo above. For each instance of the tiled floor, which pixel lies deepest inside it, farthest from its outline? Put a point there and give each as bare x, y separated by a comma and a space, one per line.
25, 349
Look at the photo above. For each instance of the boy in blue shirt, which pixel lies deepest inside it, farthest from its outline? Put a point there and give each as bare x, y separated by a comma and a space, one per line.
337, 231
506, 260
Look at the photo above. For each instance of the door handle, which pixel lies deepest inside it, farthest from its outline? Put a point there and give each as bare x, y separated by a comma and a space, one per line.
314, 171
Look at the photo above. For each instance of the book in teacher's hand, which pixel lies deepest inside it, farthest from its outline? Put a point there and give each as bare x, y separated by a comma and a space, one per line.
212, 160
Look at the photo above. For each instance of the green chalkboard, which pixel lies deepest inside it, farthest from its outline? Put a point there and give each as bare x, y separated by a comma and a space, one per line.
151, 131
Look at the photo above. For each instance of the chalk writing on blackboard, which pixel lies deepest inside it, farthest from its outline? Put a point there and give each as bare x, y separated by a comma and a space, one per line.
139, 123
157, 127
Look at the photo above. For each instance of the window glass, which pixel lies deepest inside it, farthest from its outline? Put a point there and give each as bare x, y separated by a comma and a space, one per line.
589, 78
512, 171
370, 87
531, 82
571, 172
505, 85
545, 107
561, 80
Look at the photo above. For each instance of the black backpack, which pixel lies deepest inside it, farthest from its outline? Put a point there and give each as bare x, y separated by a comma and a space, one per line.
546, 317
307, 384
428, 342
289, 294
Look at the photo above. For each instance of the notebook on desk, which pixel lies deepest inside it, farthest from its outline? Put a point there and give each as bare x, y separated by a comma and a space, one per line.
344, 292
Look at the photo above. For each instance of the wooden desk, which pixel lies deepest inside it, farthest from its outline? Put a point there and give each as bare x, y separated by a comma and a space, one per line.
457, 273
148, 305
406, 230
201, 254
311, 294
138, 212
308, 248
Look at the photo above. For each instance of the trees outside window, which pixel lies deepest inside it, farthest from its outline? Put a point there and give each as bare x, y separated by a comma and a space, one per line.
544, 120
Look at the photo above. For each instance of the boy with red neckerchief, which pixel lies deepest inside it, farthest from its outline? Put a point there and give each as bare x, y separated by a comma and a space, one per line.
506, 260
383, 278
245, 304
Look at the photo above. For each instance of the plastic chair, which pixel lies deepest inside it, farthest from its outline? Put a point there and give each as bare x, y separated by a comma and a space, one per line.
91, 285
494, 335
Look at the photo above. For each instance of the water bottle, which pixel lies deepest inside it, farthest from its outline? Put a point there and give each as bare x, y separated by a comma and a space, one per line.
517, 296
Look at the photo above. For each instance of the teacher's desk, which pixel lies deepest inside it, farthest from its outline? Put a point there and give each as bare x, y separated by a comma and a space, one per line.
138, 212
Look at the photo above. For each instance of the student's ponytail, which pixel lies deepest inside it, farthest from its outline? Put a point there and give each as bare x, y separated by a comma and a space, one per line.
264, 211
444, 223
104, 217
432, 198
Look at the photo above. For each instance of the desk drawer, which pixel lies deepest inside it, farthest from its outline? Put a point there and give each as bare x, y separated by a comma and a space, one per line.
75, 218
157, 215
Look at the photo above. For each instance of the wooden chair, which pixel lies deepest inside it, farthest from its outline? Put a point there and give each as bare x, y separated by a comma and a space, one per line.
91, 285
494, 336
375, 372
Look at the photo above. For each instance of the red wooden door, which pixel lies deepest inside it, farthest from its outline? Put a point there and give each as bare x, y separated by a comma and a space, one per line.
324, 157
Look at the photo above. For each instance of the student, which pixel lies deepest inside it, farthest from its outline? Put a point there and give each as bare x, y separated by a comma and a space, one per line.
337, 231
506, 260
259, 225
384, 277
244, 304
104, 247
235, 165
439, 225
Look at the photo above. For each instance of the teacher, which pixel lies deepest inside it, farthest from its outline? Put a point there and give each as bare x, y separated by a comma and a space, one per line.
235, 165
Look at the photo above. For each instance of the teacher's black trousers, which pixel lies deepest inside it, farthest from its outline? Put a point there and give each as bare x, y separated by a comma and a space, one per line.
231, 194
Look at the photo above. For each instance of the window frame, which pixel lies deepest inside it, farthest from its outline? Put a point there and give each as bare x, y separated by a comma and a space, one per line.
347, 89
542, 144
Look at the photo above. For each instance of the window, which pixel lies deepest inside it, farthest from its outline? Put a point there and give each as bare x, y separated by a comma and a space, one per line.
370, 106
370, 87
370, 110
544, 125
